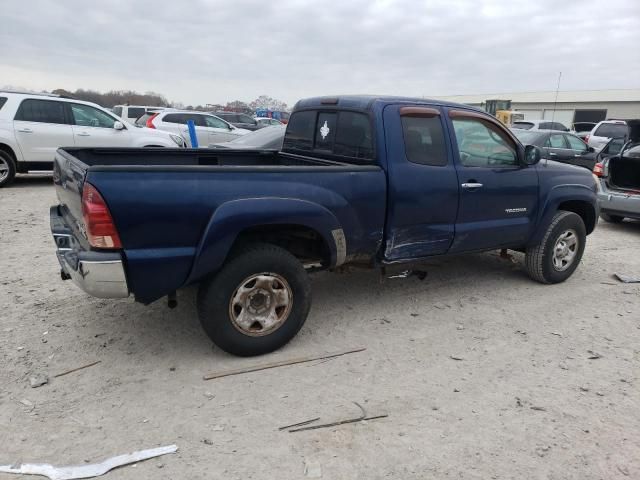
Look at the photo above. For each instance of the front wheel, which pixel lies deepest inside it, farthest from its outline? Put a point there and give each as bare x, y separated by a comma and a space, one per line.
557, 256
257, 302
7, 169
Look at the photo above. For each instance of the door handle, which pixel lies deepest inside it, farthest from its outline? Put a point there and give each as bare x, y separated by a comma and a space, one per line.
578, 155
25, 130
471, 185
551, 154
83, 134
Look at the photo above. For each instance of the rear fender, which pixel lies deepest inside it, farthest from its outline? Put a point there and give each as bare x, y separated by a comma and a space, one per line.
233, 217
558, 195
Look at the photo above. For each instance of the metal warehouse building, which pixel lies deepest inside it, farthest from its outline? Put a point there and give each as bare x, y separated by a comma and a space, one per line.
571, 106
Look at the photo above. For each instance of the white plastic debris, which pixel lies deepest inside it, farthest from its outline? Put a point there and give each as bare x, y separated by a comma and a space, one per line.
87, 471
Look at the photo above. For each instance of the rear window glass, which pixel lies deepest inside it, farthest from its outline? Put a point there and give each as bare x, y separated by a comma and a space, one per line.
300, 131
424, 140
3, 100
611, 130
523, 125
345, 134
135, 112
44, 111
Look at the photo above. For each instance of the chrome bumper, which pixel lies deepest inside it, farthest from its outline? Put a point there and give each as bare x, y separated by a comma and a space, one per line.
100, 274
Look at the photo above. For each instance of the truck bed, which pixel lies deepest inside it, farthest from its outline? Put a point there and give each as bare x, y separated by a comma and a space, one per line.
177, 209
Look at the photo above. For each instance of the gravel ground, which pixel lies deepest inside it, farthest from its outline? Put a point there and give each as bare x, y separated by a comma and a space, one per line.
483, 373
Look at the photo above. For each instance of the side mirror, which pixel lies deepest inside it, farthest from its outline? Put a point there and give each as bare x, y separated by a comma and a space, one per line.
532, 155
118, 126
591, 149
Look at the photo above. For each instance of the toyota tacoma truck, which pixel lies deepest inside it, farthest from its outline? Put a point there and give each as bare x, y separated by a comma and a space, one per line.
360, 180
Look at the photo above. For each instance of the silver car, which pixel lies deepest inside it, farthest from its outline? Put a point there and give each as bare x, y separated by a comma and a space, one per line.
619, 171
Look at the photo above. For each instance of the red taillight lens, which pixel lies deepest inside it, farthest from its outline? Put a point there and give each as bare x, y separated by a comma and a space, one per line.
98, 223
586, 139
598, 169
150, 120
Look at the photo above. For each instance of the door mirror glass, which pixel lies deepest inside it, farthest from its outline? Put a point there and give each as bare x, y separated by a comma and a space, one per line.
532, 154
118, 126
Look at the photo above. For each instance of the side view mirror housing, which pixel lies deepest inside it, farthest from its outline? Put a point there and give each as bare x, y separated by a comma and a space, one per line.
532, 154
591, 149
118, 126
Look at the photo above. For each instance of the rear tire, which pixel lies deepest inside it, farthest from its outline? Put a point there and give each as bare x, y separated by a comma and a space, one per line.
559, 252
611, 218
7, 169
257, 302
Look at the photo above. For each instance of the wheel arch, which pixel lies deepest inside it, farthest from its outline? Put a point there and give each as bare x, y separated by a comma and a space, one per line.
298, 226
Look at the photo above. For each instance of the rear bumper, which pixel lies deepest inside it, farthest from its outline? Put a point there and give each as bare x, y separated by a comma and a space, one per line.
100, 274
617, 202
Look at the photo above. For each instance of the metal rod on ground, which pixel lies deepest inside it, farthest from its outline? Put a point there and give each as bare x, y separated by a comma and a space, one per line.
76, 369
282, 363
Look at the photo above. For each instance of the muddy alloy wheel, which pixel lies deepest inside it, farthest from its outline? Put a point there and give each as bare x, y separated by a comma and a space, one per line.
256, 302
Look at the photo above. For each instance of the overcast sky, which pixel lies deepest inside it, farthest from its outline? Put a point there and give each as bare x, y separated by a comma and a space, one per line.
200, 52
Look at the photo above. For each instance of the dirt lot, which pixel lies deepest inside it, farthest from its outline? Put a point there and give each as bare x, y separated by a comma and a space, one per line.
523, 399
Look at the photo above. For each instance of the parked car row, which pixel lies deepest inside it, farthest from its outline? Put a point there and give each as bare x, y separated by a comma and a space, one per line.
34, 126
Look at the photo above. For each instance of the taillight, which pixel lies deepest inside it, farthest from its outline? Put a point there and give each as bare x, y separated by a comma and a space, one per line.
598, 169
149, 123
586, 139
98, 223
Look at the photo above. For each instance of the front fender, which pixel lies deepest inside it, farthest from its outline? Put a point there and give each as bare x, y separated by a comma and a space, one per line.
232, 217
558, 195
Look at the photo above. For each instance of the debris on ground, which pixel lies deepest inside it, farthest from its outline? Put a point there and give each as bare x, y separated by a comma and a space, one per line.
539, 409
282, 363
38, 379
362, 418
593, 355
206, 441
87, 471
299, 424
460, 327
542, 451
67, 372
557, 334
312, 469
421, 274
456, 357
627, 278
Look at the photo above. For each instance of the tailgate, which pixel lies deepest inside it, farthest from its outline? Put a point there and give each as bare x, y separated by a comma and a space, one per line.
68, 178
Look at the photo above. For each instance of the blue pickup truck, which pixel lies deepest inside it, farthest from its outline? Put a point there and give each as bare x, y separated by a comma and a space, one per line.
363, 180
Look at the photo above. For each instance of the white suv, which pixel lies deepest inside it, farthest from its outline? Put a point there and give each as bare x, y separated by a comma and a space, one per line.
209, 128
33, 126
605, 131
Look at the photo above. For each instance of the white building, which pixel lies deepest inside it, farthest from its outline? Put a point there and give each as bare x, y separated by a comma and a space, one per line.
570, 107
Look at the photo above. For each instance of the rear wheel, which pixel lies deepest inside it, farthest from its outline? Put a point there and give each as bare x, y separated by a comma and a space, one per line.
612, 218
257, 302
7, 169
557, 256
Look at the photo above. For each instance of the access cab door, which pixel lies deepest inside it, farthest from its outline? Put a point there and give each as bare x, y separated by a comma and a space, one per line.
422, 185
498, 192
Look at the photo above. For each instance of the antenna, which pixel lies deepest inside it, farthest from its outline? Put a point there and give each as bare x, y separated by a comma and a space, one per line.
555, 102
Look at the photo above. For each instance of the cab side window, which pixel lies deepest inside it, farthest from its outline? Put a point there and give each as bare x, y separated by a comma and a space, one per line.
424, 140
42, 111
86, 116
482, 144
555, 141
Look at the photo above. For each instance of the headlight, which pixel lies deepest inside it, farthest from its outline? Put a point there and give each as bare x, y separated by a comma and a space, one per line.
177, 140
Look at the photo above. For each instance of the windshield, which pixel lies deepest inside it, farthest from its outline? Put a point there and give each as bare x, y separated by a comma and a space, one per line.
261, 137
526, 137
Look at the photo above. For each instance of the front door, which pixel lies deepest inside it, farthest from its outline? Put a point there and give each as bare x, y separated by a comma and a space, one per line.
94, 128
423, 185
218, 130
498, 194
41, 127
